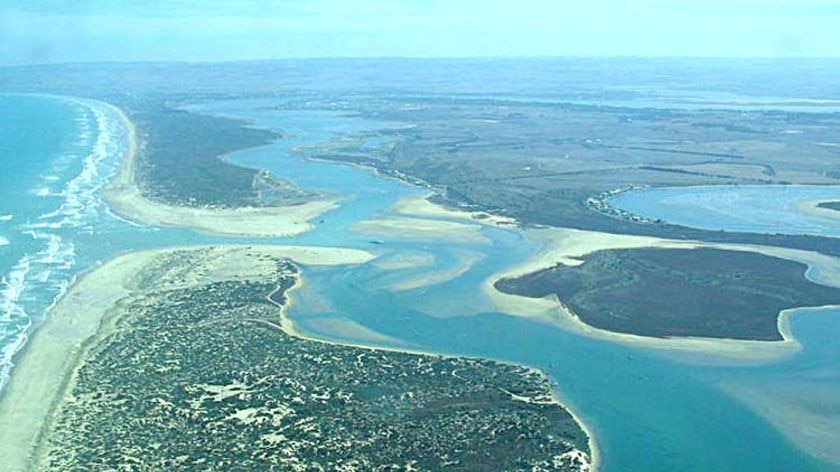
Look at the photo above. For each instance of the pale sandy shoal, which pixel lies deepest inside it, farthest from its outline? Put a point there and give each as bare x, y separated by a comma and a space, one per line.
811, 208
420, 229
800, 420
420, 206
45, 366
465, 260
126, 200
404, 260
567, 246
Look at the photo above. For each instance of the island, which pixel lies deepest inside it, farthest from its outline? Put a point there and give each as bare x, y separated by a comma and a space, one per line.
664, 292
191, 363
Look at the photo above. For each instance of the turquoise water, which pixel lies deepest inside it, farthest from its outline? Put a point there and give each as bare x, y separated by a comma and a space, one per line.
737, 208
648, 411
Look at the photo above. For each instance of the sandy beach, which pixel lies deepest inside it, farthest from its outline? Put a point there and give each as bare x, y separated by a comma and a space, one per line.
87, 313
567, 246
420, 206
126, 199
290, 327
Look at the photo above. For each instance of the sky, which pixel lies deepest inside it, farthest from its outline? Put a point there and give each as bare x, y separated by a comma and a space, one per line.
46, 31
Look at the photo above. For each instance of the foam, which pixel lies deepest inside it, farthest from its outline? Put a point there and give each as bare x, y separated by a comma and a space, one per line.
4, 241
41, 192
46, 274
11, 289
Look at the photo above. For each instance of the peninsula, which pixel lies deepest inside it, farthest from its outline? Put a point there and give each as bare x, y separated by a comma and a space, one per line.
192, 341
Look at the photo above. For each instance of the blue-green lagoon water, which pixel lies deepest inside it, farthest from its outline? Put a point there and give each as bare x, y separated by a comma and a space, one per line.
648, 410
767, 209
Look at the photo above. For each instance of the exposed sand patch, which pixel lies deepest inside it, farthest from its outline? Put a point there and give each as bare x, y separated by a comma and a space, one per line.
422, 228
811, 208
420, 206
404, 260
567, 246
46, 364
465, 260
125, 198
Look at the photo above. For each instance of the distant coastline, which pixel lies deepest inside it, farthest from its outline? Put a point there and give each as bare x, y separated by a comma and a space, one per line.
126, 199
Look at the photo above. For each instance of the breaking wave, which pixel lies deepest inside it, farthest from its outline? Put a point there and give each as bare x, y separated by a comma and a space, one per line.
36, 282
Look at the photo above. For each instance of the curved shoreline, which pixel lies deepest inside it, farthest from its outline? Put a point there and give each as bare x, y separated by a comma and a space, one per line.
567, 246
48, 362
290, 327
87, 313
813, 208
126, 200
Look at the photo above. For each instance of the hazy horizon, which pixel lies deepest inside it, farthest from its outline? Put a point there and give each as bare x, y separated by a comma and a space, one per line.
60, 31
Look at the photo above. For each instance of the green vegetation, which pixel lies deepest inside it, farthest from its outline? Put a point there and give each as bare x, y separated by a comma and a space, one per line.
181, 162
203, 378
679, 292
540, 162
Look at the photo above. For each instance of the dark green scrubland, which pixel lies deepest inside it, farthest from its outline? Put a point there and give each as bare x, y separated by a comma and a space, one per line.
679, 292
204, 379
181, 161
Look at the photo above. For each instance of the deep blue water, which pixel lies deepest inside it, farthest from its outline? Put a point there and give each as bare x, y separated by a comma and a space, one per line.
649, 411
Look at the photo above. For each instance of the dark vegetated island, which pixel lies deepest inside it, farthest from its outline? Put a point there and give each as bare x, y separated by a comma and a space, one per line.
830, 205
679, 292
181, 161
204, 378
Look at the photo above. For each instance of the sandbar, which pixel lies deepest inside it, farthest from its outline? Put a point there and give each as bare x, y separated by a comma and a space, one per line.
420, 206
125, 198
464, 261
421, 228
567, 246
812, 208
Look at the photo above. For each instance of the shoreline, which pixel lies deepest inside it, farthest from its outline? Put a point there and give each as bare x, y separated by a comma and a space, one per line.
812, 208
567, 246
290, 327
47, 364
125, 199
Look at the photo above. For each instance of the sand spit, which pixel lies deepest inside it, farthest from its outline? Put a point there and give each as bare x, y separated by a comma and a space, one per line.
421, 228
87, 311
420, 206
568, 246
812, 208
125, 198
290, 327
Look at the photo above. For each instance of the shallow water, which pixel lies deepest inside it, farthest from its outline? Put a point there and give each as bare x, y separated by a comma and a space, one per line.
649, 412
771, 209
